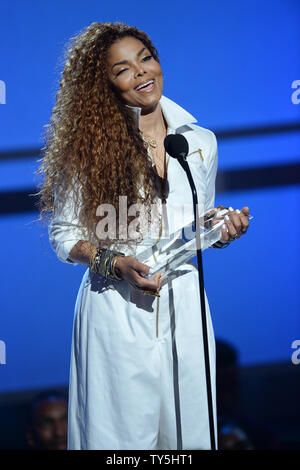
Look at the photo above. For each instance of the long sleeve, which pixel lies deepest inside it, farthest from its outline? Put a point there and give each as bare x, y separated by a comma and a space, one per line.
64, 229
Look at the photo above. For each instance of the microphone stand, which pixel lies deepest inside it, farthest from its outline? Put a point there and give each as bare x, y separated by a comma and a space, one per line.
182, 160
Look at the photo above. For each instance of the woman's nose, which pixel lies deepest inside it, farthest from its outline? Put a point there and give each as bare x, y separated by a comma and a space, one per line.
139, 70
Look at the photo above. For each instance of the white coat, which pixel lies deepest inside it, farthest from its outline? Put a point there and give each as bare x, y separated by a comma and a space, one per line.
137, 377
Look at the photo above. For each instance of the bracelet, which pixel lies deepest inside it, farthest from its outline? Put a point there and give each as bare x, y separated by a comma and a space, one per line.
220, 245
103, 263
113, 268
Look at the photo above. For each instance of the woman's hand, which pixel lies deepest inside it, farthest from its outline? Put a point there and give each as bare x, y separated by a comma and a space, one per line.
130, 269
236, 223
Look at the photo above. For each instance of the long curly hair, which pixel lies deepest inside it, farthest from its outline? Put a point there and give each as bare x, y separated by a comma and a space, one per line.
92, 144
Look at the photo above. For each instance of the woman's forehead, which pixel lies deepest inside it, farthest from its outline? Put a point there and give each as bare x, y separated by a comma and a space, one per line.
124, 46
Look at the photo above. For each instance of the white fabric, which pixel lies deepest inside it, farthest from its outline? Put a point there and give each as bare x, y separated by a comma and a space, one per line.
129, 387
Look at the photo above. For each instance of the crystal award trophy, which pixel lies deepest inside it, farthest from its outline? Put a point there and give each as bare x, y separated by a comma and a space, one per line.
168, 254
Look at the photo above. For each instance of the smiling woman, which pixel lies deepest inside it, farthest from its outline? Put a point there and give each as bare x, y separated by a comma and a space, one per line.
138, 79
137, 366
138, 82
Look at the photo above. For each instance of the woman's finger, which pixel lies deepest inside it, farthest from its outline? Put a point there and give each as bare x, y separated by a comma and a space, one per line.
244, 221
140, 267
245, 211
152, 284
225, 234
235, 219
233, 233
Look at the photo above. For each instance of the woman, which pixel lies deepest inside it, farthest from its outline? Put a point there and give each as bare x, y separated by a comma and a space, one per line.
137, 370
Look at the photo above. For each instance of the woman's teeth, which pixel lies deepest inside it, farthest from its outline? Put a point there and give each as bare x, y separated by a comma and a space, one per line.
145, 85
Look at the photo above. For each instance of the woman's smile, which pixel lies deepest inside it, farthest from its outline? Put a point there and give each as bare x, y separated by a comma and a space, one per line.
134, 73
146, 87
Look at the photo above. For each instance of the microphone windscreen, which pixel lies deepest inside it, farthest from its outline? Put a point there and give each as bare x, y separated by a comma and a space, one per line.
176, 145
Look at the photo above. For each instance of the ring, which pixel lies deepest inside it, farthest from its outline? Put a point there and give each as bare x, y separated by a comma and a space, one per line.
235, 236
151, 292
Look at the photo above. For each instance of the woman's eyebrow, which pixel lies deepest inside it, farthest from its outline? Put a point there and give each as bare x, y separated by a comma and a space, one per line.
125, 61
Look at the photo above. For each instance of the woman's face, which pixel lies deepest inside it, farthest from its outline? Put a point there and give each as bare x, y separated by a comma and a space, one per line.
130, 64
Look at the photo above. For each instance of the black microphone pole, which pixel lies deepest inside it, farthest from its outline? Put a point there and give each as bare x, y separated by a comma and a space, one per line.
181, 157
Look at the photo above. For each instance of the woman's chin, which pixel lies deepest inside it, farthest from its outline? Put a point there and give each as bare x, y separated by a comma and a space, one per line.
150, 104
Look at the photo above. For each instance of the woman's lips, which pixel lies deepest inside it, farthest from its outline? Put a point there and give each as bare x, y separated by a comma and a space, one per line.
146, 89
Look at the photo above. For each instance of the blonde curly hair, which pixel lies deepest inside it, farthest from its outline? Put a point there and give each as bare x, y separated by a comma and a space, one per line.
92, 144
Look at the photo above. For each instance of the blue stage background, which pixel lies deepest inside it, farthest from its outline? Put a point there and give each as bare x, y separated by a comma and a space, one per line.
232, 65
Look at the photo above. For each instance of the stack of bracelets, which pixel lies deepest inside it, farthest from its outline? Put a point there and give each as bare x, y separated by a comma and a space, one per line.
104, 261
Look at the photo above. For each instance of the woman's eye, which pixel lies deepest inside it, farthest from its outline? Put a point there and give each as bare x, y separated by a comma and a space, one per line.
148, 57
120, 72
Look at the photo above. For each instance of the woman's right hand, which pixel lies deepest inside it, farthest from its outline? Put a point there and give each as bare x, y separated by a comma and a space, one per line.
130, 269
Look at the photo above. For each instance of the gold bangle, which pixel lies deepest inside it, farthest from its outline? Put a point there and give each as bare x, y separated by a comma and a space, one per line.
104, 265
113, 266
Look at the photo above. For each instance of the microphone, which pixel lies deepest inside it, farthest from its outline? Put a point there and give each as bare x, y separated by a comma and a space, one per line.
176, 146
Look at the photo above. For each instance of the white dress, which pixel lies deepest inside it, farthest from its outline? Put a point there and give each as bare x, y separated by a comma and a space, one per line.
137, 378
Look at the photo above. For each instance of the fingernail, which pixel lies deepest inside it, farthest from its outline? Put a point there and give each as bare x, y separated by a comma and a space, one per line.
231, 209
227, 217
238, 211
224, 226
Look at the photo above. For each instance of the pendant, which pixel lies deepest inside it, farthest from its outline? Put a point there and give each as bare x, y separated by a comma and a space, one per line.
152, 142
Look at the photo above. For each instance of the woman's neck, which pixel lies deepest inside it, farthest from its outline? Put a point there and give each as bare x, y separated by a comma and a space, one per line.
153, 123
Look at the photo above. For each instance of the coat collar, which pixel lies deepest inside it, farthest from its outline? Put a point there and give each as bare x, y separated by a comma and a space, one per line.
174, 114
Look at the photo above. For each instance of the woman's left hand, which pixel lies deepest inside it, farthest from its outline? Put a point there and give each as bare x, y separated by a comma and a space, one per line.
235, 225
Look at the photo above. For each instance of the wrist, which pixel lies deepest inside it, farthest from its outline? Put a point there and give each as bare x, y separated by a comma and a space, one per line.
103, 261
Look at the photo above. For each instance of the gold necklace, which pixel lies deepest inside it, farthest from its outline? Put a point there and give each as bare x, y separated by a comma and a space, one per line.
151, 142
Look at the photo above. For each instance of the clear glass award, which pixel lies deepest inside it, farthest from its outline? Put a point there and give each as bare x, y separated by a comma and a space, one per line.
168, 254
